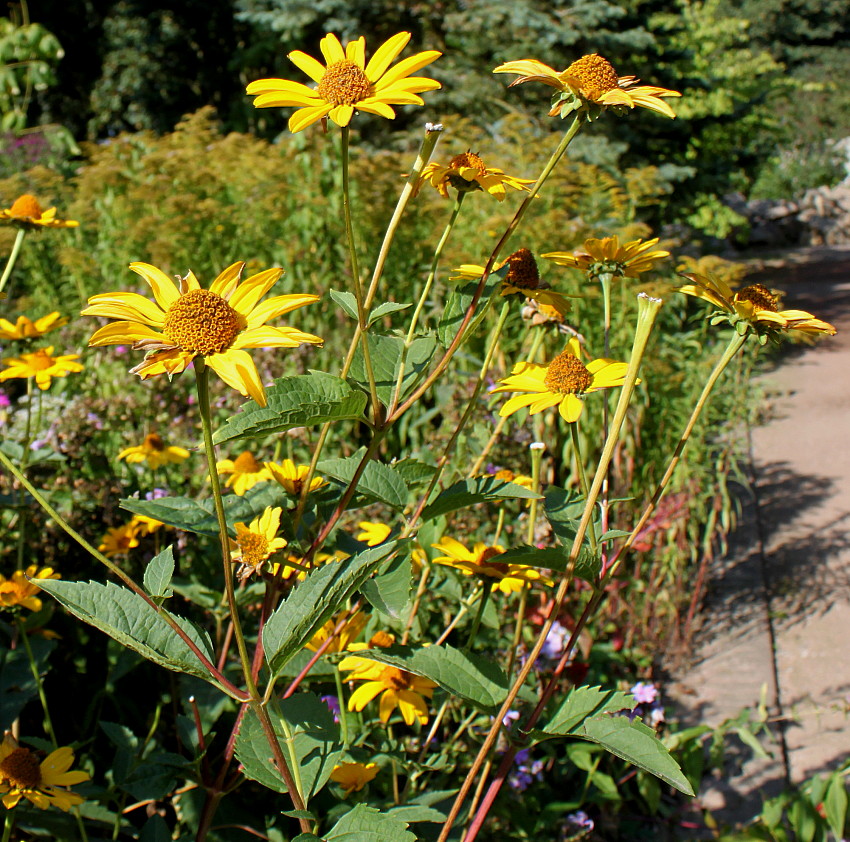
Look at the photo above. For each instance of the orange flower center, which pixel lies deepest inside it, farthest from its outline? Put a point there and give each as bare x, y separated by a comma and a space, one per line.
245, 463
595, 76
25, 207
505, 475
522, 271
381, 640
21, 769
468, 159
344, 83
760, 297
255, 548
40, 360
153, 442
202, 322
567, 375
396, 679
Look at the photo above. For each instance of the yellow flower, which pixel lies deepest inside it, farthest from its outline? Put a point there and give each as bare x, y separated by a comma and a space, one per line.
26, 212
522, 278
754, 306
373, 533
256, 542
155, 452
520, 479
21, 588
562, 382
145, 525
379, 640
467, 172
292, 476
346, 83
347, 634
26, 329
607, 256
397, 689
120, 539
186, 321
590, 81
297, 567
480, 562
22, 776
42, 365
352, 777
245, 472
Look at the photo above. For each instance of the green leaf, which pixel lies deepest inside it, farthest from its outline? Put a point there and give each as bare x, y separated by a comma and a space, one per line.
346, 300
412, 471
312, 602
155, 830
584, 702
417, 813
459, 300
835, 804
468, 492
386, 309
366, 824
634, 742
308, 737
389, 589
471, 677
17, 685
302, 400
378, 481
158, 573
563, 511
385, 353
553, 558
127, 618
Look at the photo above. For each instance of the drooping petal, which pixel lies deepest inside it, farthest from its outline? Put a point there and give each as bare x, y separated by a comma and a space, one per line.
125, 305
124, 333
364, 694
267, 336
516, 403
237, 369
389, 702
570, 408
341, 114
412, 706
307, 116
164, 290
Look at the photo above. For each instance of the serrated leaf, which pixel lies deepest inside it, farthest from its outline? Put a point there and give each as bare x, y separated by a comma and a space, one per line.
300, 814
346, 300
303, 400
553, 558
458, 303
366, 824
312, 602
468, 492
412, 471
389, 589
385, 309
634, 742
563, 511
416, 813
309, 739
158, 573
385, 355
378, 481
583, 702
471, 677
127, 618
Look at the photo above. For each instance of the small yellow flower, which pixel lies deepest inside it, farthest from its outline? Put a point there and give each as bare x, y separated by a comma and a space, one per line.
155, 452
186, 321
381, 639
346, 83
26, 212
256, 542
755, 307
120, 539
145, 525
347, 634
397, 689
607, 256
26, 329
562, 382
352, 777
22, 776
296, 565
522, 278
467, 172
21, 588
42, 365
245, 472
373, 533
590, 81
519, 479
482, 561
292, 476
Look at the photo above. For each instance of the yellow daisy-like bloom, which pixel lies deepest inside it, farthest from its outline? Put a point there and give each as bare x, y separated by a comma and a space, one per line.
481, 561
186, 321
373, 533
145, 525
352, 777
298, 568
607, 256
42, 365
590, 81
26, 212
21, 588
256, 542
467, 172
24, 328
397, 688
245, 472
520, 479
562, 382
155, 452
347, 634
292, 476
522, 278
754, 306
120, 539
346, 83
22, 776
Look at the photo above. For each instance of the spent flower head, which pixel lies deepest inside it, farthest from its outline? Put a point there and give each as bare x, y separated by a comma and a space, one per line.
467, 173
607, 257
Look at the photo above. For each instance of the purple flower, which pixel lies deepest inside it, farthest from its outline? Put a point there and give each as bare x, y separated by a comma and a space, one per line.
509, 718
644, 692
556, 642
525, 773
4, 400
333, 705
121, 349
578, 825
94, 420
156, 494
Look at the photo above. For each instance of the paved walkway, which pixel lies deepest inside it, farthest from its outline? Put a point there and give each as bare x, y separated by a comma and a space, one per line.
778, 606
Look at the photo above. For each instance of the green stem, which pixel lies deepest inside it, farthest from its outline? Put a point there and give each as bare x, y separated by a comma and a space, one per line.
24, 516
487, 589
13, 256
343, 712
582, 476
8, 825
48, 722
